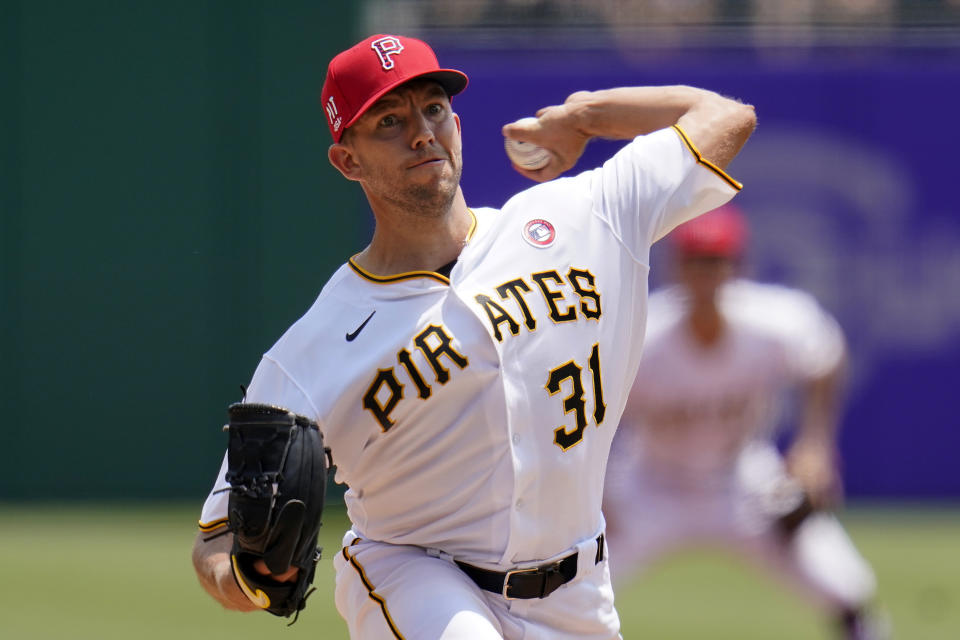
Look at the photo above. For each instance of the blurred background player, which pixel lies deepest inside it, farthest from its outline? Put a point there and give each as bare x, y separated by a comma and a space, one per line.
696, 461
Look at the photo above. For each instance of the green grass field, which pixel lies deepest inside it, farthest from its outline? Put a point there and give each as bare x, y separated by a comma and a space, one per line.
83, 572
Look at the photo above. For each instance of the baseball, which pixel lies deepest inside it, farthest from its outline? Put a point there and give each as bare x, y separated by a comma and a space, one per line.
526, 154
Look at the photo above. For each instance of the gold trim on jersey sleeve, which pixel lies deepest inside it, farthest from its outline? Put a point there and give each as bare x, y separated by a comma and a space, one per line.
709, 165
376, 597
407, 275
213, 525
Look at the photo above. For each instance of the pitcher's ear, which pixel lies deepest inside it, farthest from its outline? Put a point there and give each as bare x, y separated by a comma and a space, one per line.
343, 160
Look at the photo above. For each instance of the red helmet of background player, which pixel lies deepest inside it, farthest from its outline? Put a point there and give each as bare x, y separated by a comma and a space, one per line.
361, 75
722, 232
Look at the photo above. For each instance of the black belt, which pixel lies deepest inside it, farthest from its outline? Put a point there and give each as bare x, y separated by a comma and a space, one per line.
524, 584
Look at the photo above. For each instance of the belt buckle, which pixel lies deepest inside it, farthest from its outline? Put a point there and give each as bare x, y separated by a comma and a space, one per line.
513, 572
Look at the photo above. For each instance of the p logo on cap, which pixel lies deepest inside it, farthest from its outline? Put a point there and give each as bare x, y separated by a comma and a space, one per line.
361, 75
386, 47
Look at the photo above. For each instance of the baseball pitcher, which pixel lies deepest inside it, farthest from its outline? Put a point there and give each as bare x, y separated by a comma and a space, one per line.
467, 369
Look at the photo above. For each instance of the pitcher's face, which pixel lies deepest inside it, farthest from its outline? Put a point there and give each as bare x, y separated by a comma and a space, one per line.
406, 148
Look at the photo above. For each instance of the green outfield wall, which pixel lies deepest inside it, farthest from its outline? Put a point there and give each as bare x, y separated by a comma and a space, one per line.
167, 211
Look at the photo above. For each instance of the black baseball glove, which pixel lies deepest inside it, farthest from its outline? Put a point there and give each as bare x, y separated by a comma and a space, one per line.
277, 470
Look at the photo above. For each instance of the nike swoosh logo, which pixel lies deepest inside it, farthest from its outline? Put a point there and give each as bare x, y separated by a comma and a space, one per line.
258, 598
353, 335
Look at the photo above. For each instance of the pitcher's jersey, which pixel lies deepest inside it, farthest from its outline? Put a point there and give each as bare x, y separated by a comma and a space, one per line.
474, 413
692, 410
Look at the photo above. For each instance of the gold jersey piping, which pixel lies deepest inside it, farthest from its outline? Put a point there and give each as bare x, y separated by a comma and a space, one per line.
407, 275
709, 165
376, 597
212, 525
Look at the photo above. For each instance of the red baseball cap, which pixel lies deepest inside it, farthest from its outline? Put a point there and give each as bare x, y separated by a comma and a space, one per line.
722, 232
361, 75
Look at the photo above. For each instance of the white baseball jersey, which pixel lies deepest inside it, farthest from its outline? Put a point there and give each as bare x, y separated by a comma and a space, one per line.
474, 413
694, 409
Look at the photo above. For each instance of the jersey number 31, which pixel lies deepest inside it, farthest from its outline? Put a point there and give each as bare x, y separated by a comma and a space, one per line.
575, 402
